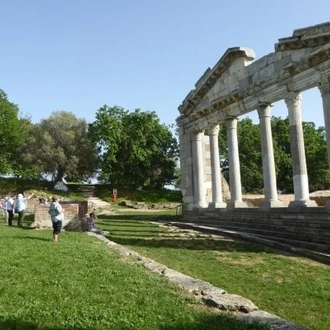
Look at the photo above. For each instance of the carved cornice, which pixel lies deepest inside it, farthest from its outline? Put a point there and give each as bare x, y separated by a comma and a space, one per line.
200, 113
226, 100
311, 36
225, 91
209, 78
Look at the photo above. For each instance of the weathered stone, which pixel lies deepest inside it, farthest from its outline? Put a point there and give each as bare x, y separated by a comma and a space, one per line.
275, 322
236, 86
230, 302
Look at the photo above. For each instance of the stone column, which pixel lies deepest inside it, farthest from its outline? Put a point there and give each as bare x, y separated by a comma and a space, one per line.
234, 167
268, 163
217, 201
186, 172
198, 169
299, 168
325, 92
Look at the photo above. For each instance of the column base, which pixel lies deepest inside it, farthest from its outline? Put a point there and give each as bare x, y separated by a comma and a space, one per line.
236, 205
327, 206
217, 205
301, 204
267, 205
201, 205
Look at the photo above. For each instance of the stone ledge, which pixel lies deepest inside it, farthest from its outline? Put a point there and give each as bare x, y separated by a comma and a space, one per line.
242, 308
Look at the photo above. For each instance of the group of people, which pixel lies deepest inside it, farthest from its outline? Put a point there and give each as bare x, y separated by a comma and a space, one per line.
15, 204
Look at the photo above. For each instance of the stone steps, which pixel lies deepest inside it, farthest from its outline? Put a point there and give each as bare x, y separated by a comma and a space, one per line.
317, 252
98, 204
306, 233
309, 238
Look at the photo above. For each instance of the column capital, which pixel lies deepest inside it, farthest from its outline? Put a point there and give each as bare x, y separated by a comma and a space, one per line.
324, 86
213, 130
231, 123
264, 109
293, 99
196, 135
263, 105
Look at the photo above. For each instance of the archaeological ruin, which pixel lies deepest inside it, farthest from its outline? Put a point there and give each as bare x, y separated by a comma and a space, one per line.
238, 85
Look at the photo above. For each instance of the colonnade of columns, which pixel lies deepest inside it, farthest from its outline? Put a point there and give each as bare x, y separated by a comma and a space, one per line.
299, 167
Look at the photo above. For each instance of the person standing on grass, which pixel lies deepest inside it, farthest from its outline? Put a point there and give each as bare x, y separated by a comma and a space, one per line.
9, 209
4, 207
56, 215
20, 205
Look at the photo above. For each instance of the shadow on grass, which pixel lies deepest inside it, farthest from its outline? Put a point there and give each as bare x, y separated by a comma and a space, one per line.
23, 325
135, 232
203, 244
204, 322
141, 217
126, 230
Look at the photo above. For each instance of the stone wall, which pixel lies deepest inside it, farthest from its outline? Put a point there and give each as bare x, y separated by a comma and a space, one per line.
72, 211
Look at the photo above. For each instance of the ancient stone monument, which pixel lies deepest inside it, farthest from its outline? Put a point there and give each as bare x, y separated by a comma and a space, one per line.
237, 85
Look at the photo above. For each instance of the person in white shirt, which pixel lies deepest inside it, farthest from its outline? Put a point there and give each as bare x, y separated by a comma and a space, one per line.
8, 206
4, 207
20, 208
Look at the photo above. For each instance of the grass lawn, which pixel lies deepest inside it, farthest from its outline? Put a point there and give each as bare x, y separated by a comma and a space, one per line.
293, 288
81, 284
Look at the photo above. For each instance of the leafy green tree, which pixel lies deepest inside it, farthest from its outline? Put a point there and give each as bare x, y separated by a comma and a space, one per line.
316, 157
59, 147
315, 151
248, 135
251, 159
12, 133
137, 150
282, 154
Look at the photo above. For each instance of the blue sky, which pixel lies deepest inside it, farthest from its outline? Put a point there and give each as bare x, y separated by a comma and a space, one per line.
78, 55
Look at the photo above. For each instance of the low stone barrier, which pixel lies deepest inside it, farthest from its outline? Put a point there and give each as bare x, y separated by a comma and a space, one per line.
73, 211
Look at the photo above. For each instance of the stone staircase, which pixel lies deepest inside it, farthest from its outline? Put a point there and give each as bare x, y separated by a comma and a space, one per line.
99, 205
306, 234
95, 203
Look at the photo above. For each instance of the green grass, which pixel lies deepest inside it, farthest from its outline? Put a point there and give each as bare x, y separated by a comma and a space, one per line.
293, 288
79, 283
148, 196
10, 186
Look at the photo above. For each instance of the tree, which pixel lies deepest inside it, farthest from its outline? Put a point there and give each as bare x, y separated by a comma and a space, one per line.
12, 134
137, 150
249, 154
59, 146
316, 157
282, 154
